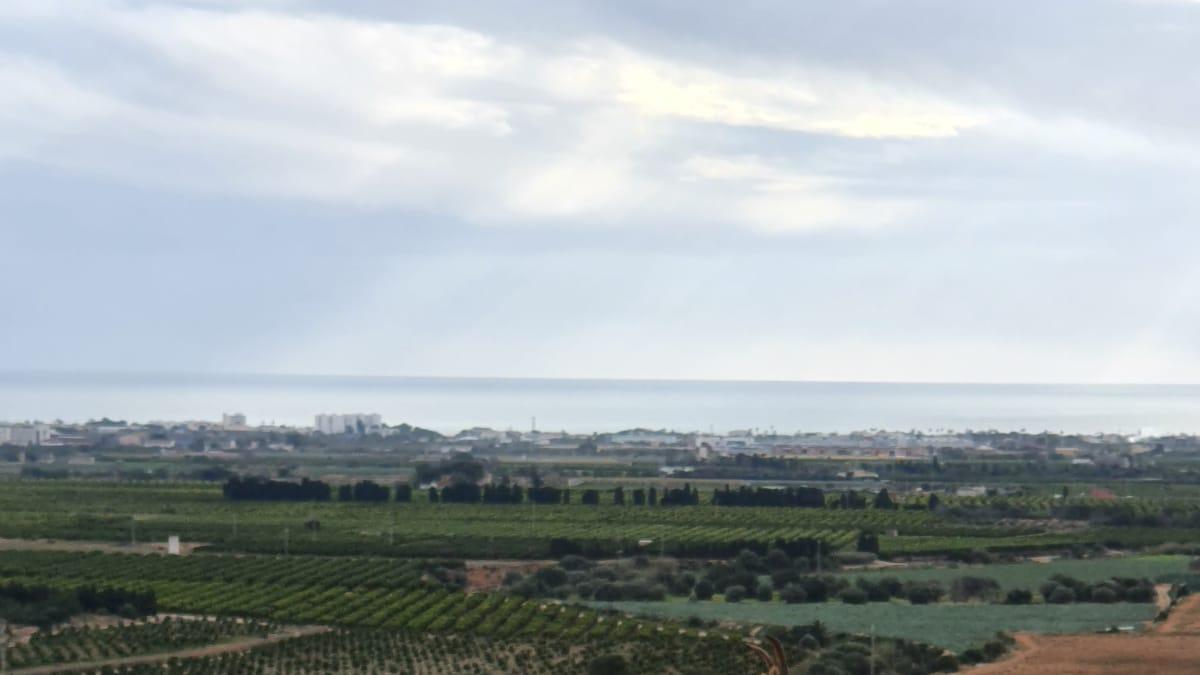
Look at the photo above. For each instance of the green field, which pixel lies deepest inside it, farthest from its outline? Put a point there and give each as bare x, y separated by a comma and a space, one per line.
953, 626
343, 591
199, 513
1030, 574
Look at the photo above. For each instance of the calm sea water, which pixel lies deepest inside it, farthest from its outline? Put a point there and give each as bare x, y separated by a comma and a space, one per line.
606, 405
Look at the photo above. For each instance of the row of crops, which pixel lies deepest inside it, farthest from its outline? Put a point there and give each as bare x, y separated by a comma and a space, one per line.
1045, 503
311, 591
120, 512
1112, 537
376, 651
104, 568
72, 645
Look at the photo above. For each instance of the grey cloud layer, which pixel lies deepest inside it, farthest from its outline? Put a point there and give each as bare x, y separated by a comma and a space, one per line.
861, 190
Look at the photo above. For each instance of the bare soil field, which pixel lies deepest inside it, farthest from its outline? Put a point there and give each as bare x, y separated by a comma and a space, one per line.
1171, 648
488, 575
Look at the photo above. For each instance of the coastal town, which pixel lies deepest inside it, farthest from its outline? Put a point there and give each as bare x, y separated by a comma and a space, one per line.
177, 448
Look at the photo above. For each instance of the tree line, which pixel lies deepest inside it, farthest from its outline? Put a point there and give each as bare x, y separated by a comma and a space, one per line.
466, 492
44, 606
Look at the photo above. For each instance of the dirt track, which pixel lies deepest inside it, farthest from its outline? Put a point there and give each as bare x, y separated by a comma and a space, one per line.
1171, 648
196, 652
145, 548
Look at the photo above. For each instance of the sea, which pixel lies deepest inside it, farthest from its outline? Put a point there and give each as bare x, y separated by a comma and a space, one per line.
583, 406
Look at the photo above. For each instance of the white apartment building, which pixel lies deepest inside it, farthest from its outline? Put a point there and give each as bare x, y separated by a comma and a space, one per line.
233, 420
349, 423
24, 434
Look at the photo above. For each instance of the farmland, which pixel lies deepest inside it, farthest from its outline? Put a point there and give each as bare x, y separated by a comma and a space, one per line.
335, 591
102, 643
381, 578
376, 651
953, 626
1030, 574
198, 513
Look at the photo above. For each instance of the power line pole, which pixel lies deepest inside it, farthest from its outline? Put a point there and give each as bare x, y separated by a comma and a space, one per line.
872, 649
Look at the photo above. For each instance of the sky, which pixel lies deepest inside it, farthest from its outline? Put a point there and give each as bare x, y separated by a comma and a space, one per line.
860, 190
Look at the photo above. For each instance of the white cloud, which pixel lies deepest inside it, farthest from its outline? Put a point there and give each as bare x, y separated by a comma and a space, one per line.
811, 101
773, 199
424, 116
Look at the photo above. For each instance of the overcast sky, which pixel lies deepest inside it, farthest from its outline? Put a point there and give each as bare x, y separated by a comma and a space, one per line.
842, 190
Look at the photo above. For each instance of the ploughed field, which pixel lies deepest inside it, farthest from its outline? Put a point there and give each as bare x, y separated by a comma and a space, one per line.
1172, 648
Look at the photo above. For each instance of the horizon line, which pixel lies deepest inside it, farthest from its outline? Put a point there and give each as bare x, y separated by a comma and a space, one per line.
539, 378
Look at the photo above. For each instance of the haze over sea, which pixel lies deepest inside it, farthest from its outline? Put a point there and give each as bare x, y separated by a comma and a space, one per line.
451, 404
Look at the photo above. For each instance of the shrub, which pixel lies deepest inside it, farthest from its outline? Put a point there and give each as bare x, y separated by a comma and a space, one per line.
1140, 593
994, 649
608, 592
777, 559
574, 562
853, 596
1019, 596
972, 655
609, 664
704, 590
793, 594
923, 594
968, 588
781, 578
552, 576
1104, 594
1061, 596
945, 663
875, 591
764, 593
749, 560
735, 593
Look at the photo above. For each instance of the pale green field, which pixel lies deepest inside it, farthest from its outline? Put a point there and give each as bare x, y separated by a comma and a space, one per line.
954, 626
1030, 574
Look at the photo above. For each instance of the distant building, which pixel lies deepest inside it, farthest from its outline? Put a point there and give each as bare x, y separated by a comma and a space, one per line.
352, 423
25, 434
233, 420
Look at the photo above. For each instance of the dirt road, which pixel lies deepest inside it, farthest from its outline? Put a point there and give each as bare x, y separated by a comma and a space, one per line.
88, 546
1170, 648
195, 652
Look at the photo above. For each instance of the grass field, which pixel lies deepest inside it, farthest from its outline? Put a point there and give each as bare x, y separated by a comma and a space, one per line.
954, 626
1030, 574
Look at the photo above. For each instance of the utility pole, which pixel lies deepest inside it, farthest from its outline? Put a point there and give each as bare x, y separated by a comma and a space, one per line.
872, 649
